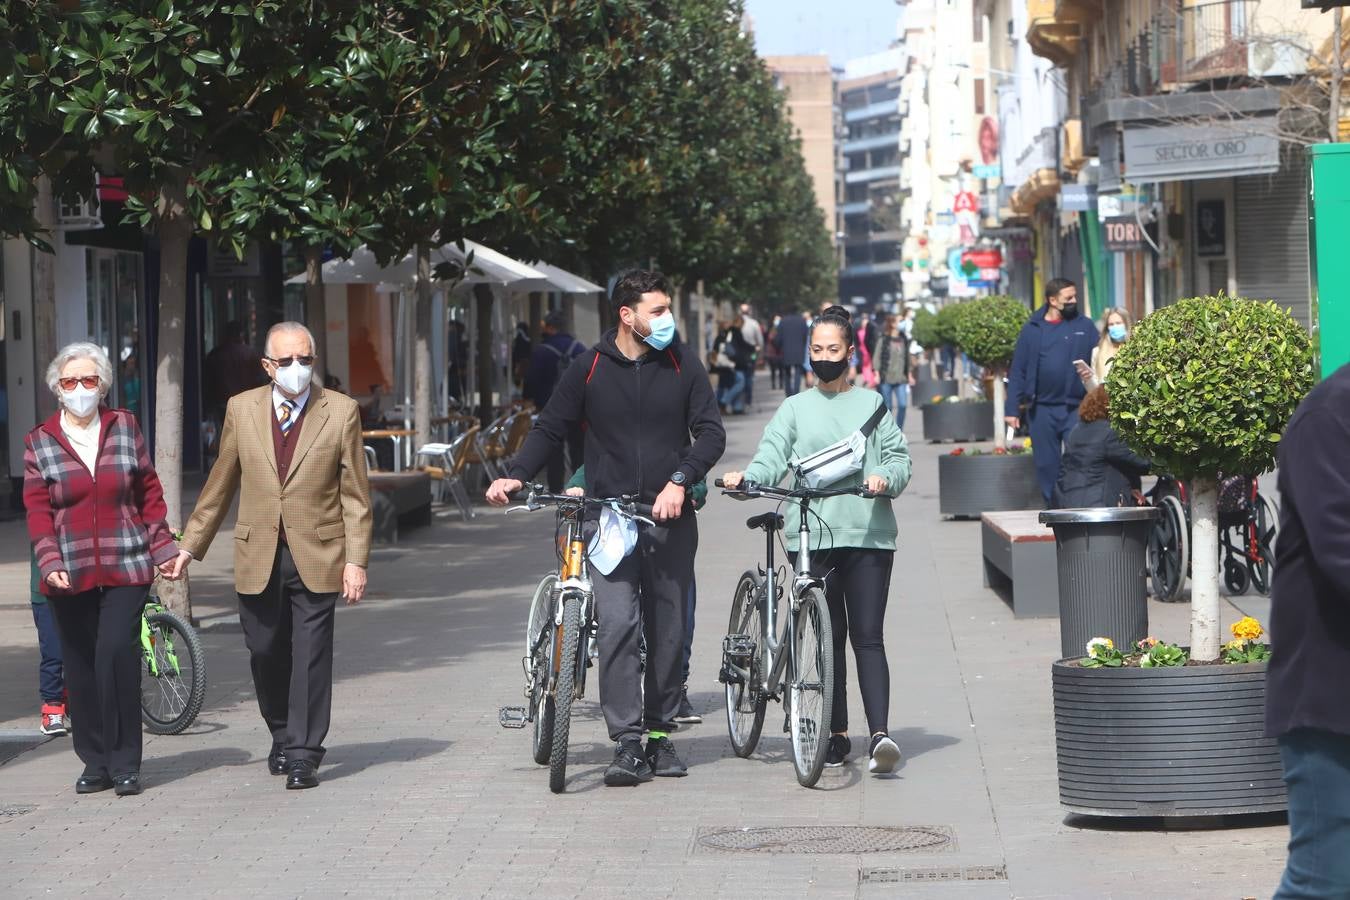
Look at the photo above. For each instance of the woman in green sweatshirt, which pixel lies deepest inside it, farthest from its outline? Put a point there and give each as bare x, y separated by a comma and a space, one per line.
855, 554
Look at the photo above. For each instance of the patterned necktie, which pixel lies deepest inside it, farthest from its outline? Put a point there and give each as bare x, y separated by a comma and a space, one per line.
284, 416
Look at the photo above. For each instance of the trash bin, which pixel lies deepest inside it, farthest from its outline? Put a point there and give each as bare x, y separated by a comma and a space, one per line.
1102, 557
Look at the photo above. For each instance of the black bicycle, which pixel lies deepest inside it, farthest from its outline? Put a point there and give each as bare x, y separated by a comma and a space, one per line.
759, 665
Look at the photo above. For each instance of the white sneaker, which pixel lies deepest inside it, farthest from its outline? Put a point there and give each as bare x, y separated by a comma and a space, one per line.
883, 756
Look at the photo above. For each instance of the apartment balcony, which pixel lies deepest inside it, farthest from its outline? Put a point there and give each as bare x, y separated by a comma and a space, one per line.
881, 173
857, 208
873, 268
1213, 40
873, 143
1057, 27
873, 111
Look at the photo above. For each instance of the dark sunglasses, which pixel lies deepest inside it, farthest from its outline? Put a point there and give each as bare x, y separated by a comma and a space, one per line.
285, 361
89, 381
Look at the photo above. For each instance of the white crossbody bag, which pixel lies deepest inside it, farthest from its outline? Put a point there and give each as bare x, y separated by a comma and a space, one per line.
839, 460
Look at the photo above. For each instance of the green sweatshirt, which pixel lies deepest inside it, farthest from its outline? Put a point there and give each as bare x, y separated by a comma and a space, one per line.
809, 422
698, 493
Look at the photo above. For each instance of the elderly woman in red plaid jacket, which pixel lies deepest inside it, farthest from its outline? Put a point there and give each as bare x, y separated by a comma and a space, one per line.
96, 517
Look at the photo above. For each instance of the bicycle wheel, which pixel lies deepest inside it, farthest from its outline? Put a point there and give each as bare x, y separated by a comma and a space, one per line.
539, 667
1267, 527
1168, 560
174, 687
811, 691
567, 684
742, 672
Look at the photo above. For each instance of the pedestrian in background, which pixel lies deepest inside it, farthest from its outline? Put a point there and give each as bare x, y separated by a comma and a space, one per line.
1097, 468
292, 452
792, 339
51, 672
1116, 330
893, 369
1306, 709
1044, 386
773, 356
96, 519
753, 334
548, 362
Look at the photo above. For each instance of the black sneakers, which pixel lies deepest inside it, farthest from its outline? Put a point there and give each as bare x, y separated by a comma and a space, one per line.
883, 755
838, 751
686, 715
630, 766
664, 762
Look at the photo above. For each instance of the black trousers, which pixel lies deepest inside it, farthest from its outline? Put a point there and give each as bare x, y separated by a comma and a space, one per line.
100, 646
857, 583
289, 633
648, 589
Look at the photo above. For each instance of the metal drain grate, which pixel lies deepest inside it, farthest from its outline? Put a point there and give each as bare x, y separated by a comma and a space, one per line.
13, 811
934, 874
829, 839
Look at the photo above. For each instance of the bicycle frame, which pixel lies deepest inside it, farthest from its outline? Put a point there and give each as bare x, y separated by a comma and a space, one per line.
148, 643
802, 581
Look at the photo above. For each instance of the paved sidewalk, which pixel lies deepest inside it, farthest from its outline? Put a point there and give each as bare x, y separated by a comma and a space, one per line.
424, 795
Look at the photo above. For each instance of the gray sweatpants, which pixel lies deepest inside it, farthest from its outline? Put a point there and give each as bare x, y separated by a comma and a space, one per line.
650, 588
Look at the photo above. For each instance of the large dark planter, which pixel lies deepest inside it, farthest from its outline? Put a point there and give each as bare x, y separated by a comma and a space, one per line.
958, 422
924, 391
1102, 560
1183, 741
971, 485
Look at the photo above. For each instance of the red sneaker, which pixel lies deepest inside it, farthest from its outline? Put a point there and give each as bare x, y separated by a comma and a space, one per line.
54, 719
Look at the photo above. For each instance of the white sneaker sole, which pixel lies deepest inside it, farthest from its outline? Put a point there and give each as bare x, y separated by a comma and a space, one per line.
884, 758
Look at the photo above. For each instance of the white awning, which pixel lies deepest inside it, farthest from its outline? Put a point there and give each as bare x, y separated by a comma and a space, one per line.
488, 267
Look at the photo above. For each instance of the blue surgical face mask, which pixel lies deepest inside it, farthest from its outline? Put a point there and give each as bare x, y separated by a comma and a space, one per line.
662, 330
1117, 333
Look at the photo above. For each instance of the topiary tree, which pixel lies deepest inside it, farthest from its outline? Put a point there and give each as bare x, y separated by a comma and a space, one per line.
1204, 386
987, 330
925, 329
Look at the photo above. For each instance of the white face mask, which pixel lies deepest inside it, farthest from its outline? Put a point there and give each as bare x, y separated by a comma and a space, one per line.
294, 378
81, 401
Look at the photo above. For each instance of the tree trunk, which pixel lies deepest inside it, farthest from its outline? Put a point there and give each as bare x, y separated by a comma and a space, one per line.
43, 325
1000, 394
175, 232
482, 297
959, 372
422, 379
1337, 76
699, 339
1204, 569
316, 309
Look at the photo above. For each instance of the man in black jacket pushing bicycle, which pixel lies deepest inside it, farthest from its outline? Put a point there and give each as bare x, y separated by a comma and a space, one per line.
652, 429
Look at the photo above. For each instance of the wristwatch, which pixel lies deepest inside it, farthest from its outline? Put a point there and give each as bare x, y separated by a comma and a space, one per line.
678, 478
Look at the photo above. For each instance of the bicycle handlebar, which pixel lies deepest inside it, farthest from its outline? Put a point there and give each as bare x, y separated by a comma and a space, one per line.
753, 489
626, 505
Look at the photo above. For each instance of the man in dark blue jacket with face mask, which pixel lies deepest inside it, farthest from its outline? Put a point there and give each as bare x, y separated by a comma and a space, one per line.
652, 429
1043, 384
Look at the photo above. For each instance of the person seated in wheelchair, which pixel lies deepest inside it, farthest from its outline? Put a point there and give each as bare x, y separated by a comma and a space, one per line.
1097, 469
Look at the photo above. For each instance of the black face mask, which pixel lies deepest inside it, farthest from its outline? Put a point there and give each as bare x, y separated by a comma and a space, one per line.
1070, 311
828, 370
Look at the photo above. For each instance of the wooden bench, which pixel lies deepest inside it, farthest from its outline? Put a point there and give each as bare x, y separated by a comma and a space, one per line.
1019, 555
399, 499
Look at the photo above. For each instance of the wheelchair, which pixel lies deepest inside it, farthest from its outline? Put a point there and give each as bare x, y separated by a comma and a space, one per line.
1248, 526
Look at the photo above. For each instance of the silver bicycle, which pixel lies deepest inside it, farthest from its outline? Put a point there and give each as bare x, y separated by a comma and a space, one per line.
759, 665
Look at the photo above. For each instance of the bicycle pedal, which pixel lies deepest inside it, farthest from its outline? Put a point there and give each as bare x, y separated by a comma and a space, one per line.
513, 717
739, 647
729, 675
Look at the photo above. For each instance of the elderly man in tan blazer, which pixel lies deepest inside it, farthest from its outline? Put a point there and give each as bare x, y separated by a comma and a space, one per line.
293, 452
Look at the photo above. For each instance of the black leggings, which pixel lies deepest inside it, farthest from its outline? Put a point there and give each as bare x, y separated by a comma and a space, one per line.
857, 583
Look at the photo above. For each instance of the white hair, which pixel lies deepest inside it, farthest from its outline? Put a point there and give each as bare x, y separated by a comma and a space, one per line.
81, 350
289, 327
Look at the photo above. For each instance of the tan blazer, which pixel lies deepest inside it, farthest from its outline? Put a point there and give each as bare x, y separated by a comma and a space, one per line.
324, 504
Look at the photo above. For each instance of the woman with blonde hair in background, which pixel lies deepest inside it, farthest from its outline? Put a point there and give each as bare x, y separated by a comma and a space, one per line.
1116, 330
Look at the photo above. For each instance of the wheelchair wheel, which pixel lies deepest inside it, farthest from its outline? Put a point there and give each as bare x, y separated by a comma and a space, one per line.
1168, 555
1267, 527
1235, 577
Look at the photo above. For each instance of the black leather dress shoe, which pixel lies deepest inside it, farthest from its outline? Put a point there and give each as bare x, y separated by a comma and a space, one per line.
277, 761
92, 784
127, 785
301, 775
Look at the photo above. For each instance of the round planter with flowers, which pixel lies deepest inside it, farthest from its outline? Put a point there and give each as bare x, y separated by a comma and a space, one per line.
972, 482
1167, 739
957, 420
1205, 385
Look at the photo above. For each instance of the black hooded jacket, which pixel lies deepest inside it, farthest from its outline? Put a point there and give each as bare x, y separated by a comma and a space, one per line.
644, 419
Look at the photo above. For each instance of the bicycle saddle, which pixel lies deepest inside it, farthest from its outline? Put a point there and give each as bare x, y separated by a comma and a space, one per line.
768, 521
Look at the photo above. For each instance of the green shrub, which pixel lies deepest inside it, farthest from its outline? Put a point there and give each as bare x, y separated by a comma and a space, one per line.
1208, 384
925, 329
946, 325
987, 329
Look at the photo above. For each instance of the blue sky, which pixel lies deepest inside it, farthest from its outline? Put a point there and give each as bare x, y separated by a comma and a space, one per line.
844, 29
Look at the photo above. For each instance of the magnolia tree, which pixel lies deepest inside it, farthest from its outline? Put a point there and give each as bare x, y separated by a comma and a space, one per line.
1206, 386
987, 330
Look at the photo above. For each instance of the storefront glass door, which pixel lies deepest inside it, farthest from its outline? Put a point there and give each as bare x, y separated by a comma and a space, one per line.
114, 298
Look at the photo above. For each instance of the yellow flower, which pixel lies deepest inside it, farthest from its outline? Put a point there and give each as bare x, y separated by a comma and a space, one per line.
1247, 629
1027, 443
1099, 644
1235, 644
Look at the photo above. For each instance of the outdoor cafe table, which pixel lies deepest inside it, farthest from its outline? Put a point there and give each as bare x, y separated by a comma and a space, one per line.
397, 436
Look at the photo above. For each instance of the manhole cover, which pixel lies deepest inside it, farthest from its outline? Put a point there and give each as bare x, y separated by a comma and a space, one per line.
13, 811
829, 839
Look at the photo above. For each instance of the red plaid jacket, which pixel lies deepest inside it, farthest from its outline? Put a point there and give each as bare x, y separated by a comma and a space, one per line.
106, 532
